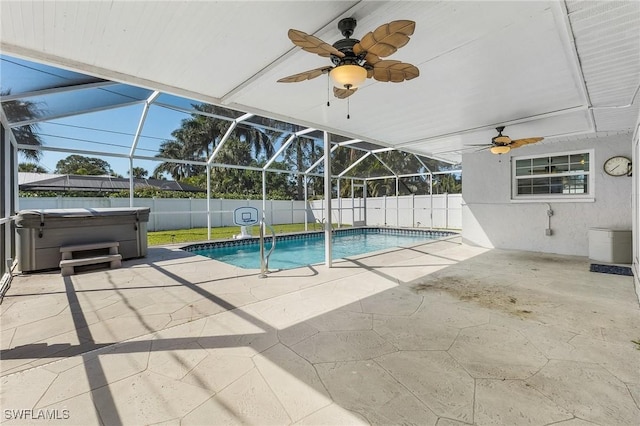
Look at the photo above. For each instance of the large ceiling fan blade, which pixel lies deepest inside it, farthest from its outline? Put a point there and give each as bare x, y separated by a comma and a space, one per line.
313, 44
394, 71
502, 140
521, 142
387, 38
307, 75
343, 93
370, 58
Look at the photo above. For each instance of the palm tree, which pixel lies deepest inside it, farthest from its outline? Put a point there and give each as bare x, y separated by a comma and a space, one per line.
446, 184
199, 135
139, 173
174, 149
31, 168
228, 180
213, 129
303, 153
17, 111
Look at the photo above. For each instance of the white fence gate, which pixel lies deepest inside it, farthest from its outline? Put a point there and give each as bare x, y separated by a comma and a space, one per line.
442, 211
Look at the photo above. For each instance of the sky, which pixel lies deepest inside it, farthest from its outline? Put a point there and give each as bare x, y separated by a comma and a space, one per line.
110, 130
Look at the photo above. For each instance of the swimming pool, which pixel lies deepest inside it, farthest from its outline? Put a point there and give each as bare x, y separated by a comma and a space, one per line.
293, 251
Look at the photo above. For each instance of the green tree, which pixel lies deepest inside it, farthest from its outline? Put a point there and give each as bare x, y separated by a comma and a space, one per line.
200, 134
139, 173
31, 168
211, 130
174, 149
231, 179
80, 165
17, 111
300, 155
446, 184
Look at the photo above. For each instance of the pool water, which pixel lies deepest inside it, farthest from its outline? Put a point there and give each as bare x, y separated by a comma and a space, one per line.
308, 249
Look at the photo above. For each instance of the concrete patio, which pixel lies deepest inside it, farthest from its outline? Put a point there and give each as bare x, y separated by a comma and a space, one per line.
442, 333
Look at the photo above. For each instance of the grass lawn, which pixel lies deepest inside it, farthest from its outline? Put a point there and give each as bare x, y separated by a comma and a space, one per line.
225, 232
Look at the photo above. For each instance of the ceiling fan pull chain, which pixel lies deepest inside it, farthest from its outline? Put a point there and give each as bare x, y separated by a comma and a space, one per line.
348, 108
328, 89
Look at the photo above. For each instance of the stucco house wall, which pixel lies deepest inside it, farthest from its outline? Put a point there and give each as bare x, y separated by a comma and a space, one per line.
490, 218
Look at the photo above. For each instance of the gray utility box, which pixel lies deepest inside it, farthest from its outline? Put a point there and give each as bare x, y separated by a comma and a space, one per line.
610, 245
41, 233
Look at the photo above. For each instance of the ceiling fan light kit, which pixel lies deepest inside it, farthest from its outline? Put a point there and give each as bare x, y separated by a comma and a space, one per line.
500, 149
348, 76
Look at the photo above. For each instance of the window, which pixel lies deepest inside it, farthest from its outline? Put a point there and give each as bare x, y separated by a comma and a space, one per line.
564, 175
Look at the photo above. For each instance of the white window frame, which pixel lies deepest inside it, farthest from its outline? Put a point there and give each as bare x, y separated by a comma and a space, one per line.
547, 198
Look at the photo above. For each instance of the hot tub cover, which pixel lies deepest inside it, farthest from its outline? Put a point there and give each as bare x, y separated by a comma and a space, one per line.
36, 217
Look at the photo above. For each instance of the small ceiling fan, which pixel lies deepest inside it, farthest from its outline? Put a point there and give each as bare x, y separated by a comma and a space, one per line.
502, 144
356, 60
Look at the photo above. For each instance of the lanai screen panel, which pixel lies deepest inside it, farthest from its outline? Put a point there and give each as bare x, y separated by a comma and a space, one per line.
304, 152
109, 131
190, 105
65, 103
20, 77
344, 157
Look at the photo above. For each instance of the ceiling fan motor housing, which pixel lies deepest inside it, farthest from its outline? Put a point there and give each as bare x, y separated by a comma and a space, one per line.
501, 139
346, 26
346, 46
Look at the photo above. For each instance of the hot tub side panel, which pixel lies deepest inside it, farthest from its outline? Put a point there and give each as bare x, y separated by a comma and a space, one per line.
41, 236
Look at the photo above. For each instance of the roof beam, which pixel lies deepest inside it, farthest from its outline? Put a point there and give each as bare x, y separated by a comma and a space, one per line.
422, 162
280, 151
286, 145
143, 117
379, 150
352, 141
355, 163
320, 160
385, 164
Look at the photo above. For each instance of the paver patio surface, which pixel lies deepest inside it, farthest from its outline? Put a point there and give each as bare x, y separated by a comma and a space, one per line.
441, 333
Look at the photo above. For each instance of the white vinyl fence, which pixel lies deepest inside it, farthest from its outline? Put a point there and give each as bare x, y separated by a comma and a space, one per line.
443, 211
186, 213
179, 213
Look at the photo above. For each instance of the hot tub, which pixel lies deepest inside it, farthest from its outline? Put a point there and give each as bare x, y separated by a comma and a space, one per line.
41, 233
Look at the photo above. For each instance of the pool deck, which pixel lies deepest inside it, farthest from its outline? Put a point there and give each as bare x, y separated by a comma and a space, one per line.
442, 333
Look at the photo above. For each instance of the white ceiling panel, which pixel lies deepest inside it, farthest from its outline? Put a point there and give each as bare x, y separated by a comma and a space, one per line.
608, 38
616, 119
535, 66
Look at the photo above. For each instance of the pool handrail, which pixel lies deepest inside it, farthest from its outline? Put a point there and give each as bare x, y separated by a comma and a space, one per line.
264, 260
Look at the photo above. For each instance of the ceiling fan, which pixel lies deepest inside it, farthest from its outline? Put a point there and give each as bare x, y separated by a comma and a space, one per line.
502, 144
356, 60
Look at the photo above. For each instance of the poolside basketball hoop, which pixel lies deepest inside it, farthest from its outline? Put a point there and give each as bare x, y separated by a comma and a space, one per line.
243, 217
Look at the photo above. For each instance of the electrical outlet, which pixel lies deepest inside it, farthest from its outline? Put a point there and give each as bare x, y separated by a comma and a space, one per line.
548, 232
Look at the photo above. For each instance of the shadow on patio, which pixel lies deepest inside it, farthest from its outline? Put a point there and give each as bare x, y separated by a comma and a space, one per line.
440, 333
